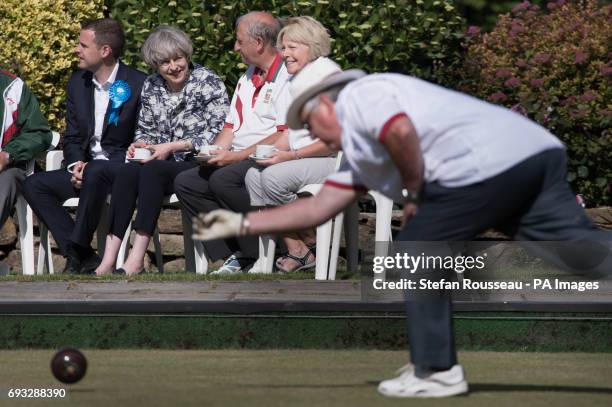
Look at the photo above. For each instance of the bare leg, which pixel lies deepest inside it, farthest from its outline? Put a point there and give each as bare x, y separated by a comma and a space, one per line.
135, 261
297, 248
308, 236
113, 244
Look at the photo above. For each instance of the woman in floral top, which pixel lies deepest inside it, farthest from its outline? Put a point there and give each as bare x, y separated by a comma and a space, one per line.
183, 109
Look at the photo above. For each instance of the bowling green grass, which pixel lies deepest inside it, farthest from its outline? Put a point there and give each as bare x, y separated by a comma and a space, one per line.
304, 378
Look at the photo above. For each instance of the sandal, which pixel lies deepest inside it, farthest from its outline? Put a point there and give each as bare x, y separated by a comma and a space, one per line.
302, 262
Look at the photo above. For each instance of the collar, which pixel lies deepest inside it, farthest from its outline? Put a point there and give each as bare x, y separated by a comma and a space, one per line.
273, 71
109, 81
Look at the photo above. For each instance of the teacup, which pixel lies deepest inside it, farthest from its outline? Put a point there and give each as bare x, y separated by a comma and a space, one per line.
264, 150
142, 153
206, 150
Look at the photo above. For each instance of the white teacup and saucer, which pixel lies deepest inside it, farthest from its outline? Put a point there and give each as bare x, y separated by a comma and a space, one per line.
263, 152
140, 154
205, 153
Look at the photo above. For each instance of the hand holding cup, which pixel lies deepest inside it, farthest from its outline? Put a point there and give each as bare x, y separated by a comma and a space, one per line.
141, 153
263, 151
208, 152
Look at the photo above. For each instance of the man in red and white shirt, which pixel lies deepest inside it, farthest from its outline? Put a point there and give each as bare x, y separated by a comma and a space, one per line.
259, 107
257, 116
458, 165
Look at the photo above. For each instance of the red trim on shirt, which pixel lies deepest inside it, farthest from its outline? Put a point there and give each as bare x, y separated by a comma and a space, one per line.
385, 128
12, 129
282, 127
256, 79
258, 82
239, 111
274, 68
340, 185
237, 107
8, 73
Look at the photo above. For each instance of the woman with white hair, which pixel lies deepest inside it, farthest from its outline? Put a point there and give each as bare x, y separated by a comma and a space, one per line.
300, 159
183, 109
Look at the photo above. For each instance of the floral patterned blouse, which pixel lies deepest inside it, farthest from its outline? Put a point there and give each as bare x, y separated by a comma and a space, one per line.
196, 113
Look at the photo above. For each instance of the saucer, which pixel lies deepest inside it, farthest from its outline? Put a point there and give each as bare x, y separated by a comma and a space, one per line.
134, 160
203, 158
255, 158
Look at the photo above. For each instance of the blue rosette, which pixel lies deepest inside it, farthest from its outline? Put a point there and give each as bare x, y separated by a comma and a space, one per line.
119, 93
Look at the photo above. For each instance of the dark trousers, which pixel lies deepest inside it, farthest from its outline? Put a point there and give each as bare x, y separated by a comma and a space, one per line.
144, 185
530, 201
46, 192
11, 181
204, 189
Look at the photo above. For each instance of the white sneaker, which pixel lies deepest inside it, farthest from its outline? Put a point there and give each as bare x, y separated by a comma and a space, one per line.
230, 266
438, 384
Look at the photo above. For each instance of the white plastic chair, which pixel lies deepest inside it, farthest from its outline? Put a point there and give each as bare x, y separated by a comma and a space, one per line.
384, 213
329, 234
26, 229
267, 244
54, 162
25, 219
195, 255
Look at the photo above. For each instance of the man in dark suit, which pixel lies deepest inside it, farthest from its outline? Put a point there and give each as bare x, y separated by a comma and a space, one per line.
97, 136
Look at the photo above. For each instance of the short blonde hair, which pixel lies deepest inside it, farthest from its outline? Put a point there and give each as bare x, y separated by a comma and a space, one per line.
308, 31
164, 43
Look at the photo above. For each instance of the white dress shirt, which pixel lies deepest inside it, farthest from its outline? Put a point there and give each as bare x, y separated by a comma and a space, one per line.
101, 99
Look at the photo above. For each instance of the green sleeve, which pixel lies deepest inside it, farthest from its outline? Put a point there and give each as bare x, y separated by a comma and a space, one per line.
34, 134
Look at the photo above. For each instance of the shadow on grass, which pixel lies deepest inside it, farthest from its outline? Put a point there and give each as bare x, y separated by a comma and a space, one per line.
496, 387
312, 386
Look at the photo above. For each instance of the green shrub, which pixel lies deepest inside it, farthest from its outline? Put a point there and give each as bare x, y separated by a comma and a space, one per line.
484, 13
554, 67
411, 36
38, 39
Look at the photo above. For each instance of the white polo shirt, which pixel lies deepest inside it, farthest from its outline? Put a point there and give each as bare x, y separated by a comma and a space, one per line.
259, 105
463, 140
300, 138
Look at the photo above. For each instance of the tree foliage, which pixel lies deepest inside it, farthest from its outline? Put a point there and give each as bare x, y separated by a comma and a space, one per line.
410, 36
553, 65
38, 39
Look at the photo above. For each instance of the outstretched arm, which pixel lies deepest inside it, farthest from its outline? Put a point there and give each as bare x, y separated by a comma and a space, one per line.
303, 213
298, 215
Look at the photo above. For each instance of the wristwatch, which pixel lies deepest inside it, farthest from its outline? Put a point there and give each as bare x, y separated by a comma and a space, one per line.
411, 196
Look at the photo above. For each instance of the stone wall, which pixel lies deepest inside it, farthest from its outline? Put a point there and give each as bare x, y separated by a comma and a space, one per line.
171, 236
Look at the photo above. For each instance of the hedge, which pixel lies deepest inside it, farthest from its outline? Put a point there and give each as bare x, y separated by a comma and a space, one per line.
420, 37
484, 13
553, 65
38, 39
